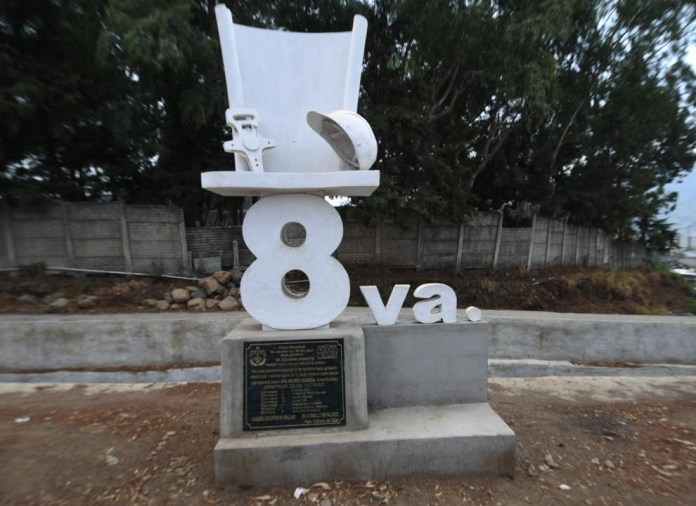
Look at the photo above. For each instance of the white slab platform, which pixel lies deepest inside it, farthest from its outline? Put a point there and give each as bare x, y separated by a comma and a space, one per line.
443, 440
348, 183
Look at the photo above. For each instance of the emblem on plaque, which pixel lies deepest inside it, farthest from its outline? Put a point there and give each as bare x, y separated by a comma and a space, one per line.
257, 357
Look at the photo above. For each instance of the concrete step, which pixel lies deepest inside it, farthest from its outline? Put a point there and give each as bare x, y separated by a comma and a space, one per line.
443, 440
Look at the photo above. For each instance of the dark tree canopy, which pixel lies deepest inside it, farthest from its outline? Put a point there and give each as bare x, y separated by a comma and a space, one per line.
578, 108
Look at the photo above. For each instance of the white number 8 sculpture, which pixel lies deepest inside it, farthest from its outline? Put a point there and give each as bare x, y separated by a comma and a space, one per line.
263, 288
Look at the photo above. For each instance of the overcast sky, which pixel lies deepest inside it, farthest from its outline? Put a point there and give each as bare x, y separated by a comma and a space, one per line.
684, 216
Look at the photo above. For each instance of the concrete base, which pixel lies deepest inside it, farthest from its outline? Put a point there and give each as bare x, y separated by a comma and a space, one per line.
444, 440
232, 395
425, 386
426, 365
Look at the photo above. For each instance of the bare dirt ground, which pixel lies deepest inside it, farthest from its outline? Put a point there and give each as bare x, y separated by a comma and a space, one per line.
610, 441
574, 289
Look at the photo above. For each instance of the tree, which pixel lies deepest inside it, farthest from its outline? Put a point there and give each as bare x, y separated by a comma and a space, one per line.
636, 131
575, 107
59, 105
170, 51
581, 108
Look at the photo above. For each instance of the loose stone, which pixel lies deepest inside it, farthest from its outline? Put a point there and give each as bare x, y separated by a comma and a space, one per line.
180, 295
162, 305
196, 304
229, 304
223, 277
209, 284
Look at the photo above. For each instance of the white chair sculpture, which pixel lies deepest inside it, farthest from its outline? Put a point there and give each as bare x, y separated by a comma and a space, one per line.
296, 139
274, 79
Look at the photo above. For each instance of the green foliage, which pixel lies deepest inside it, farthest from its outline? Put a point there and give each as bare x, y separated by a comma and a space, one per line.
60, 107
574, 107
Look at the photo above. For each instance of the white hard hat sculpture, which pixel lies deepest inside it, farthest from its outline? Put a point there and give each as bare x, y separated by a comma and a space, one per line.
349, 134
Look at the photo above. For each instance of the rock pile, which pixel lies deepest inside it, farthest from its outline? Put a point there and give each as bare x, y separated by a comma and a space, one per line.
216, 292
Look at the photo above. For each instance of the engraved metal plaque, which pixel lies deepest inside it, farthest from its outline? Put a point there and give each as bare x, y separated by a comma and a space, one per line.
293, 384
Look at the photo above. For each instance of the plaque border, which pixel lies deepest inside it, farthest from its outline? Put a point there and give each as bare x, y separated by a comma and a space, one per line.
245, 347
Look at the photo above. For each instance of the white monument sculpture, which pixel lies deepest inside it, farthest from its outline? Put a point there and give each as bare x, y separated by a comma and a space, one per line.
296, 139
372, 401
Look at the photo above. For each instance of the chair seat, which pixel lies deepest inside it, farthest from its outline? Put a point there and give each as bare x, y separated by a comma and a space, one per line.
348, 183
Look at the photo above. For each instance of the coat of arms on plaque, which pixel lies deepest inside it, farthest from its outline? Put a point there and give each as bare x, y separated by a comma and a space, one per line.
257, 357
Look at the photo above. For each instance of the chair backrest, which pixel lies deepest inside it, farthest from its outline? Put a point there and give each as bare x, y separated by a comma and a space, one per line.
284, 75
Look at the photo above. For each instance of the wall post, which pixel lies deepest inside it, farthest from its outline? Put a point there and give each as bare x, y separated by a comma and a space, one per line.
182, 240
67, 235
549, 221
9, 237
531, 243
125, 238
460, 248
498, 240
563, 241
421, 239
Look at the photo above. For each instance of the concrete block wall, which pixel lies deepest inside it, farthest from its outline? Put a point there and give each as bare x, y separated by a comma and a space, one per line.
625, 254
399, 247
540, 235
554, 247
37, 234
97, 236
439, 245
94, 235
113, 236
584, 246
156, 235
514, 246
205, 242
570, 244
5, 260
479, 240
359, 245
482, 242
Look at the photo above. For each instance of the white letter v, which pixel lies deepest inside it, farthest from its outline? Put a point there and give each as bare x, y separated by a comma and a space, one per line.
385, 315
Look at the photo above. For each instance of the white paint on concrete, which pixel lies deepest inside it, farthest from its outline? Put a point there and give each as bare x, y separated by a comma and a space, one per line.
349, 183
263, 290
349, 134
473, 314
283, 75
440, 306
385, 315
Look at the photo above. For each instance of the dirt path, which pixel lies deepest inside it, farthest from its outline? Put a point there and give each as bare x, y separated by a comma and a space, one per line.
611, 440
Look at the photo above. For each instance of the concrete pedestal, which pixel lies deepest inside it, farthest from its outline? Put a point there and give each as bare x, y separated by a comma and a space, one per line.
231, 409
426, 389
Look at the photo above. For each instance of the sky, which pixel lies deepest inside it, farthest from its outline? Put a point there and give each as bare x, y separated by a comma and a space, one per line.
684, 216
